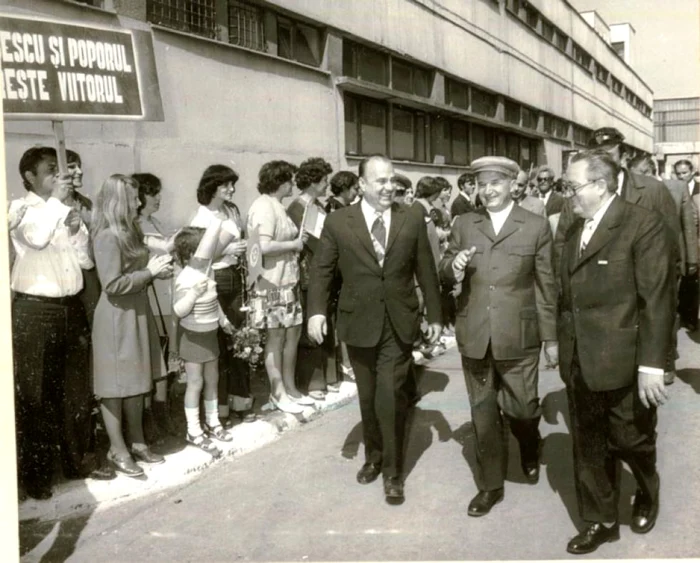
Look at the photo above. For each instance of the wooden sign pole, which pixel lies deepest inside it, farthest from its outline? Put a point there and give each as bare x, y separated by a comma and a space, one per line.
60, 138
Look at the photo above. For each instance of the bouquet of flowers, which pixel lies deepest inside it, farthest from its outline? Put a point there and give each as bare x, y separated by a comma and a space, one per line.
248, 344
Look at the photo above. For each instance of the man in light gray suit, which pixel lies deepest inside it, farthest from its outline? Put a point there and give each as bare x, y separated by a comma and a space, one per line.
520, 197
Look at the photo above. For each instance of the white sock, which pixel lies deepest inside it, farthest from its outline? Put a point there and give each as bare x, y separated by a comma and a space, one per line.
211, 412
194, 428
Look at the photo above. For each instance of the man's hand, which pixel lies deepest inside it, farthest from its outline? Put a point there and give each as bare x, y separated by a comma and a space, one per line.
317, 328
433, 333
652, 390
692, 269
72, 221
462, 259
227, 327
551, 354
62, 186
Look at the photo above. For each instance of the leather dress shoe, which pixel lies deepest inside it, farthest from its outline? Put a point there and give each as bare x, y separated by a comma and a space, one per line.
592, 538
125, 465
483, 502
147, 455
531, 471
644, 513
393, 491
368, 473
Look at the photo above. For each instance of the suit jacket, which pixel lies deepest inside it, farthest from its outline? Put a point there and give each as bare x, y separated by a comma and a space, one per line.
617, 303
460, 206
645, 191
533, 205
687, 215
555, 203
508, 294
370, 291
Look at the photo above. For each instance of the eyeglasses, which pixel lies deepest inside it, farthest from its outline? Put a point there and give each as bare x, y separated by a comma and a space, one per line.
576, 189
544, 179
521, 185
400, 192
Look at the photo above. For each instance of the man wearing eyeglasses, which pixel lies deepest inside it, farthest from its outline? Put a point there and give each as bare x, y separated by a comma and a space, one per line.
644, 191
615, 319
553, 202
501, 254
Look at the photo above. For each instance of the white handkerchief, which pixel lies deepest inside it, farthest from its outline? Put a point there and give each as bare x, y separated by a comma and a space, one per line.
603, 262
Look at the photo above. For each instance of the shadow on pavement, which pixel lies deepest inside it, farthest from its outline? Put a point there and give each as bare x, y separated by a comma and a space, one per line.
557, 456
419, 435
691, 377
430, 381
50, 541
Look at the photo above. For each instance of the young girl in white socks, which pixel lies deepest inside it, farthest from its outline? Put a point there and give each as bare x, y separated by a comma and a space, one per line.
195, 304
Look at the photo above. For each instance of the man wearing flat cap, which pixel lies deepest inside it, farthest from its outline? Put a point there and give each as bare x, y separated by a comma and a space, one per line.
501, 254
645, 191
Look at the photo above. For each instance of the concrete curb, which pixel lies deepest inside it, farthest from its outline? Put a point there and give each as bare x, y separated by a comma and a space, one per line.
181, 467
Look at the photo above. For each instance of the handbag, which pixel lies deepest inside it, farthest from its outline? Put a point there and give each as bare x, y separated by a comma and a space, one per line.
164, 338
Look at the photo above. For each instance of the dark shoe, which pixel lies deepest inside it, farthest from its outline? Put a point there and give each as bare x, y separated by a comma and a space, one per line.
245, 416
369, 473
125, 465
393, 491
147, 455
38, 491
104, 472
644, 513
592, 538
482, 503
669, 377
530, 464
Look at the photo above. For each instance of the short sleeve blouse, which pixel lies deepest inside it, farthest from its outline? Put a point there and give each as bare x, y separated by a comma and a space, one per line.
271, 219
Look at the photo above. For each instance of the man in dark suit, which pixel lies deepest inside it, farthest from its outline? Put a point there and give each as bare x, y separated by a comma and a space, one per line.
378, 247
616, 315
553, 201
502, 256
687, 216
644, 191
689, 288
463, 203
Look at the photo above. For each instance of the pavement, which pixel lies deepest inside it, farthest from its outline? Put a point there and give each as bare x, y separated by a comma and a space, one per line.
298, 499
184, 463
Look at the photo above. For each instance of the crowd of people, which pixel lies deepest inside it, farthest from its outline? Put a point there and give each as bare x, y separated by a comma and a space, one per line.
517, 261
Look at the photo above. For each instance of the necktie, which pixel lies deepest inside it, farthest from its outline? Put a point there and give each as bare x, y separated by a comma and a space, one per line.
379, 230
586, 235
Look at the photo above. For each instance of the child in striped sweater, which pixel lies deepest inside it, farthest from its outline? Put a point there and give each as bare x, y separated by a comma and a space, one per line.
195, 304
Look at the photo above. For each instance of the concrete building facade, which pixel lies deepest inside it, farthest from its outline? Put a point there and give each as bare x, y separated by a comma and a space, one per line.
665, 49
432, 83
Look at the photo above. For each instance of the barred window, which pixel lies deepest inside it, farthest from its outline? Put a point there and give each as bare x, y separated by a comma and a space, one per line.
192, 16
298, 42
246, 25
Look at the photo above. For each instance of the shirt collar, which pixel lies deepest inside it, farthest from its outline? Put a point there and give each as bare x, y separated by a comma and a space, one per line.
503, 213
598, 215
370, 212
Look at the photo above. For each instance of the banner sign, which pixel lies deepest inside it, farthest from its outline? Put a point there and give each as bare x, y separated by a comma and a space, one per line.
54, 70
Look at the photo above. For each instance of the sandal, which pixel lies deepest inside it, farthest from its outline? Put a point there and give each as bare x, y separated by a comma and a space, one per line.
203, 443
218, 433
333, 387
317, 395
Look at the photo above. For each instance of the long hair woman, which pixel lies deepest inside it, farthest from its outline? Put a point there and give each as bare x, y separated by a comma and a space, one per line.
126, 347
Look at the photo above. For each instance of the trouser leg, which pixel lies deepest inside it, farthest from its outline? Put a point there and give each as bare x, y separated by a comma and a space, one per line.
480, 377
595, 469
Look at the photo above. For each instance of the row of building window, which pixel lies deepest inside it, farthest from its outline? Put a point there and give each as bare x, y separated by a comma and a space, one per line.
246, 27
532, 18
373, 126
